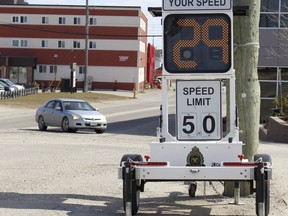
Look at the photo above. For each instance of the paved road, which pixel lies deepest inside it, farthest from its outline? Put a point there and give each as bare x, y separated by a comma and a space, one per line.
54, 173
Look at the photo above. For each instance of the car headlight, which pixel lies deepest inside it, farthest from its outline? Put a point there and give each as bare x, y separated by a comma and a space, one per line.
75, 117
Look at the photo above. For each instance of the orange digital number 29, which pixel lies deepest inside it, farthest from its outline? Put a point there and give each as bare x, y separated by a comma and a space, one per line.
201, 33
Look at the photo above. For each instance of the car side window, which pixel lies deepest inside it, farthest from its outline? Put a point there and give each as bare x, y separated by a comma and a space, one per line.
58, 105
50, 104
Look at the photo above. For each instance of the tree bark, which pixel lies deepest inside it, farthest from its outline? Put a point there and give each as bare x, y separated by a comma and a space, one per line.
246, 39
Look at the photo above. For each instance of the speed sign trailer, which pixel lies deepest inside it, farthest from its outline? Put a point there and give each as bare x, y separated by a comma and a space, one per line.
198, 55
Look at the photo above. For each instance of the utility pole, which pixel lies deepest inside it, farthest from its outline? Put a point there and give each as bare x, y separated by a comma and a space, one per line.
85, 89
246, 40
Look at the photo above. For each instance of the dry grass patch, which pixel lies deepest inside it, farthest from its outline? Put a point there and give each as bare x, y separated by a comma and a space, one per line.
35, 100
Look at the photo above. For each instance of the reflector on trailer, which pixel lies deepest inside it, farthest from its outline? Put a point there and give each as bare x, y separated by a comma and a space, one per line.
137, 163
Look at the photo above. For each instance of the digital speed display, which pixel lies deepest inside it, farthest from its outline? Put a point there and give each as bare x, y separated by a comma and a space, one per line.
197, 43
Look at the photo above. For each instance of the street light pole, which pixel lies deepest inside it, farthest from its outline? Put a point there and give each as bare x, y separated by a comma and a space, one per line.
55, 66
85, 89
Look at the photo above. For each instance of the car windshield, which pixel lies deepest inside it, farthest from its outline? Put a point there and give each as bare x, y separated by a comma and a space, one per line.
10, 82
4, 83
78, 105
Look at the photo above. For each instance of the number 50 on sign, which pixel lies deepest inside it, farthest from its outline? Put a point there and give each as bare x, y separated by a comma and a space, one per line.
199, 114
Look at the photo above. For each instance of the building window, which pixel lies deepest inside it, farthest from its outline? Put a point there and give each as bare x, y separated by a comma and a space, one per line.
62, 20
269, 20
45, 20
19, 43
53, 68
269, 6
76, 44
18, 74
92, 21
44, 43
77, 20
15, 19
23, 43
42, 68
284, 21
21, 19
15, 43
274, 14
61, 44
92, 44
284, 6
81, 69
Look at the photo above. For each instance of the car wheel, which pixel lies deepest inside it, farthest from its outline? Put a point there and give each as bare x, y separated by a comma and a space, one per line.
65, 125
99, 131
41, 124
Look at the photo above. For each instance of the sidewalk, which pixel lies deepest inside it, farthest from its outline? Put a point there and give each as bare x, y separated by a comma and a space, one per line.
130, 93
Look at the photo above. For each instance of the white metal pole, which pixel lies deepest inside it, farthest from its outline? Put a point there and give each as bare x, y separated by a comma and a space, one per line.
85, 89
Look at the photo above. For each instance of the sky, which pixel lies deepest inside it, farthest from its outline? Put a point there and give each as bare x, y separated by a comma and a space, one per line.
154, 24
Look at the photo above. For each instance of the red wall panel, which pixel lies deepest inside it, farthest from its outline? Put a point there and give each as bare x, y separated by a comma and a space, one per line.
150, 63
68, 32
96, 58
30, 9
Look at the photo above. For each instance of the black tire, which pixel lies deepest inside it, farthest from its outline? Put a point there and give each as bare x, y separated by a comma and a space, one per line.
265, 158
99, 131
133, 157
192, 189
41, 124
65, 125
135, 183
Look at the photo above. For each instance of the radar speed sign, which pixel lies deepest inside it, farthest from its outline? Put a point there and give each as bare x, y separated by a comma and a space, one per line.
198, 107
197, 43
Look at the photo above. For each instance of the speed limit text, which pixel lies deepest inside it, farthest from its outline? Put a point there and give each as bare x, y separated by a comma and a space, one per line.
198, 90
199, 95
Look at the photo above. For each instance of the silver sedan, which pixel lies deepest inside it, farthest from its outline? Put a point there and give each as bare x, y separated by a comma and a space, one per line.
70, 115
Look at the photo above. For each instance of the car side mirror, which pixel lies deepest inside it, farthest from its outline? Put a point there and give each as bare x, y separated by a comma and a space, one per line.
58, 109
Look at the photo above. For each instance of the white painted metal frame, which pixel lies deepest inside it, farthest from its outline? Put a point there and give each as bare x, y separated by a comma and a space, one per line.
175, 152
234, 130
194, 173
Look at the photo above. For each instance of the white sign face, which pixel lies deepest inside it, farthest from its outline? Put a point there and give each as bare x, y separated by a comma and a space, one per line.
198, 110
176, 5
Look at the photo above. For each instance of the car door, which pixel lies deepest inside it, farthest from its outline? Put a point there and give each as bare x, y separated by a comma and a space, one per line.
47, 112
57, 114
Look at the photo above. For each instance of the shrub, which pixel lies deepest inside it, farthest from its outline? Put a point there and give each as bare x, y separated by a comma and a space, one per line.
282, 104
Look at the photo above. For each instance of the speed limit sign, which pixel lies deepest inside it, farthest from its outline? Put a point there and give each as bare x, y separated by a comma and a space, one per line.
199, 110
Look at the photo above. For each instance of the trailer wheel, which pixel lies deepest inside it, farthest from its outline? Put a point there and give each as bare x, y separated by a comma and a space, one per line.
133, 157
265, 158
192, 189
135, 196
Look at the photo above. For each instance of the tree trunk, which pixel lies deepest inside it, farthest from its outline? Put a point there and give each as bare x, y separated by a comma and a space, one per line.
246, 38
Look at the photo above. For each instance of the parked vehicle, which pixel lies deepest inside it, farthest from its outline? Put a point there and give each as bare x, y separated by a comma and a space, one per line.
2, 89
70, 115
10, 83
7, 87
